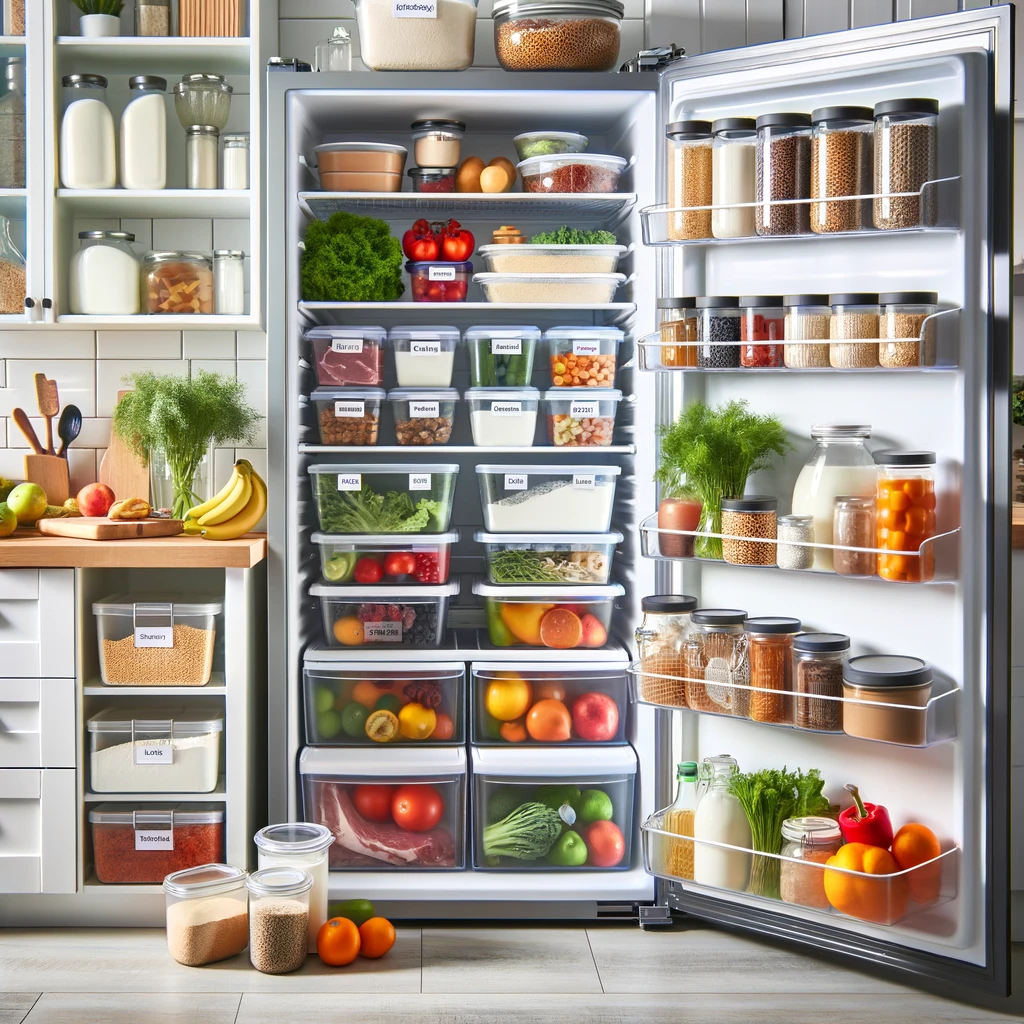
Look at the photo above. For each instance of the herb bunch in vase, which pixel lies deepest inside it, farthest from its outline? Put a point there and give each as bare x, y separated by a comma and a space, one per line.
178, 420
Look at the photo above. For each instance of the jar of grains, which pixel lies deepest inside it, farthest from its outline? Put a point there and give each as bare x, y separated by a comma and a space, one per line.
153, 17
557, 35
718, 332
715, 657
854, 320
807, 839
818, 660
905, 515
853, 526
797, 554
841, 167
677, 334
732, 177
906, 137
278, 918
761, 319
905, 315
807, 320
770, 653
782, 172
689, 179
750, 517
660, 639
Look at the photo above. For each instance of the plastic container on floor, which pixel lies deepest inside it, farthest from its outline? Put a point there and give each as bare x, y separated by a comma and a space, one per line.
384, 558
348, 355
548, 557
207, 914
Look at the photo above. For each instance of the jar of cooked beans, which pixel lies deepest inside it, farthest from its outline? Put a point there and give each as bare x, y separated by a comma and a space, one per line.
782, 173
841, 146
807, 320
906, 157
905, 515
852, 328
677, 335
905, 315
689, 179
762, 319
583, 357
748, 528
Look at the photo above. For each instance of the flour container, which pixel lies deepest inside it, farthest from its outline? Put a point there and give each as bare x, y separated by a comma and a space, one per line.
207, 914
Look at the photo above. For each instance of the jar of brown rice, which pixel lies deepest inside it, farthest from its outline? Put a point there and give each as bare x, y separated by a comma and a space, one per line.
689, 179
904, 315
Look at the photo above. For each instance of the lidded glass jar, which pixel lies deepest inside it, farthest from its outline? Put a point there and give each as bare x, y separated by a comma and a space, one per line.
905, 315
770, 652
202, 99
906, 145
12, 272
678, 335
201, 144
660, 639
152, 17
207, 914
887, 698
753, 517
334, 54
235, 161
782, 172
905, 515
853, 526
177, 282
12, 124
799, 531
841, 167
732, 177
689, 179
716, 652
807, 839
807, 320
854, 321
762, 319
437, 142
229, 281
557, 35
278, 919
818, 660
88, 153
718, 331
104, 274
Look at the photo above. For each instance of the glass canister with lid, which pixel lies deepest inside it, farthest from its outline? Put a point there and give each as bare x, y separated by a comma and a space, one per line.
12, 271
718, 332
770, 653
234, 171
715, 656
437, 142
557, 35
841, 168
818, 660
660, 639
813, 840
732, 177
207, 914
905, 515
677, 334
201, 144
853, 526
278, 918
748, 525
782, 172
762, 319
852, 328
177, 282
807, 320
202, 98
904, 315
12, 124
795, 533
689, 179
390, 43
906, 157
153, 17
104, 274
229, 281
87, 152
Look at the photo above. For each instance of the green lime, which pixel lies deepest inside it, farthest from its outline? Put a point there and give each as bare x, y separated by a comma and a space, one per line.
569, 851
502, 802
389, 702
8, 520
353, 719
357, 911
328, 724
555, 796
323, 699
338, 568
596, 805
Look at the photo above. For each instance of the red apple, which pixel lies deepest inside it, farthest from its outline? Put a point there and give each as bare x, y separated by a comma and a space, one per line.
595, 717
95, 500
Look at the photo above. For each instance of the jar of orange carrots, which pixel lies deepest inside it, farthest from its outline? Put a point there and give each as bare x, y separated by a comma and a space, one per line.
905, 507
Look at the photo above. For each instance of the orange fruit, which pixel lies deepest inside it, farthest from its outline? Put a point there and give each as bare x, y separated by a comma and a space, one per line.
338, 942
507, 698
513, 732
377, 936
916, 844
561, 628
367, 693
348, 631
549, 721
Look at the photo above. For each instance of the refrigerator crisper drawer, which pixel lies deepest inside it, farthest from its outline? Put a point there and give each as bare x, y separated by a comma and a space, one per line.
553, 810
390, 808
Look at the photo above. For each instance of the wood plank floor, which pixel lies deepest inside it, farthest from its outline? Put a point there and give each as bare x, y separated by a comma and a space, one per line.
450, 974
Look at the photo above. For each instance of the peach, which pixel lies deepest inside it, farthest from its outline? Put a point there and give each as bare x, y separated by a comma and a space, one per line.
95, 500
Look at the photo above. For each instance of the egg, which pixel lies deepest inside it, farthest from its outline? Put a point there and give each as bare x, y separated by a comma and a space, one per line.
508, 167
467, 178
494, 179
348, 631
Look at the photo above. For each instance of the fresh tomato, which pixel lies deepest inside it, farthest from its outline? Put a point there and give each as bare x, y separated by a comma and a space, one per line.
417, 808
373, 802
368, 570
400, 563
420, 243
457, 244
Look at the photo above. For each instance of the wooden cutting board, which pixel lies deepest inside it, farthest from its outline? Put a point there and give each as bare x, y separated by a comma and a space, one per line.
101, 528
121, 471
51, 473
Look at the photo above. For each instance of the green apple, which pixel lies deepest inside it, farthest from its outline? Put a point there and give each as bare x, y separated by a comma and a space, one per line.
357, 911
569, 851
596, 805
28, 503
328, 724
8, 520
353, 719
323, 699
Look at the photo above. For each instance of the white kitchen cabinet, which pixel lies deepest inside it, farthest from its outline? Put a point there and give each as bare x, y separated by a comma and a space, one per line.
38, 833
37, 723
37, 616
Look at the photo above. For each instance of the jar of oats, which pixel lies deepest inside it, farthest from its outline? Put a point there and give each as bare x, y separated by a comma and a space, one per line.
854, 320
841, 146
906, 142
807, 319
689, 179
904, 315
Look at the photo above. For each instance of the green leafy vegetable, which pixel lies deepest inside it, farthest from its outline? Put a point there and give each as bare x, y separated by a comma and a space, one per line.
1018, 401
811, 802
348, 258
99, 6
526, 834
365, 511
566, 235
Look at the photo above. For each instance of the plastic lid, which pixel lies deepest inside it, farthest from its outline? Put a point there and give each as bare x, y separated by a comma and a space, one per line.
686, 770
892, 457
415, 265
423, 394
772, 624
718, 617
821, 642
784, 120
733, 124
280, 881
430, 763
384, 468
552, 8
687, 130
125, 604
430, 172
526, 394
398, 541
795, 519
916, 298
546, 593
179, 814
829, 431
561, 136
409, 593
579, 541
437, 124
479, 332
539, 164
806, 300
811, 830
717, 301
541, 248
917, 106
492, 278
359, 147
356, 394
549, 470
751, 503
204, 880
202, 78
294, 837
687, 302
173, 721
773, 301
383, 669
598, 333
842, 114
876, 671
853, 299
670, 604
377, 334
416, 333
583, 394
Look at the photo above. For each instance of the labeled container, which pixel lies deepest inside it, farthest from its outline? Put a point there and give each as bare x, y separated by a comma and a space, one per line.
581, 417
807, 320
906, 157
853, 526
661, 641
387, 43
813, 840
136, 844
733, 152
576, 172
541, 288
818, 661
340, 697
548, 616
348, 355
532, 704
154, 750
795, 533
752, 520
762, 319
554, 35
177, 282
905, 515
583, 356
385, 558
348, 416
279, 915
424, 356
503, 417
718, 332
770, 654
689, 174
432, 179
437, 142
557, 810
905, 315
423, 416
143, 641
405, 497
887, 698
677, 335
360, 166
841, 160
207, 914
548, 144
389, 809
439, 282
552, 259
548, 557
104, 274
501, 356
854, 320
538, 499
782, 174
714, 658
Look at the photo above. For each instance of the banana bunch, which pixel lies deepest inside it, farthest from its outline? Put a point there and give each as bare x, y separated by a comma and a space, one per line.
234, 511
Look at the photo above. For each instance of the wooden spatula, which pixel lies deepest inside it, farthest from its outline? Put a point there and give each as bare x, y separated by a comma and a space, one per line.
121, 471
49, 405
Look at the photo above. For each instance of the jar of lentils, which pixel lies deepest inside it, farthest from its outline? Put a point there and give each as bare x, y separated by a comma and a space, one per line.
718, 332
762, 319
807, 320
689, 179
660, 641
677, 334
782, 172
798, 529
751, 517
715, 655
854, 320
905, 315
841, 167
813, 840
770, 653
818, 660
853, 526
906, 144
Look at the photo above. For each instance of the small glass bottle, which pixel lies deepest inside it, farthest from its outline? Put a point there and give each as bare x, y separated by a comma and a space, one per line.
783, 172
660, 638
716, 652
853, 526
677, 334
720, 819
12, 124
795, 528
807, 839
334, 54
770, 652
906, 144
818, 660
905, 515
153, 17
732, 182
12, 272
229, 281
689, 179
201, 156
235, 161
677, 818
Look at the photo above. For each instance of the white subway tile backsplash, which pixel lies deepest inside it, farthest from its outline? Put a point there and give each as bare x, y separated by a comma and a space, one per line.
82, 468
76, 384
189, 235
251, 344
35, 344
254, 373
208, 345
95, 433
110, 374
133, 344
3, 432
232, 234
143, 232
12, 463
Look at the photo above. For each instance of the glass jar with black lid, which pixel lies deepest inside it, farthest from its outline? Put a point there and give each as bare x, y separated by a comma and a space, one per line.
782, 171
689, 179
718, 332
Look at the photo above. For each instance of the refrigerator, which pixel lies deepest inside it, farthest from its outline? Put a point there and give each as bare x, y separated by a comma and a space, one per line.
958, 781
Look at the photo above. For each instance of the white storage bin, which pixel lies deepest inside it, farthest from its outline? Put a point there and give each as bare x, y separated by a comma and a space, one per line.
522, 558
424, 356
398, 558
503, 417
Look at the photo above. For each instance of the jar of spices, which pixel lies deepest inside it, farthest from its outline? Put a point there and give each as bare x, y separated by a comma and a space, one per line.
201, 146
153, 17
689, 179
807, 320
732, 176
104, 274
762, 319
278, 918
818, 660
906, 145
229, 281
750, 517
770, 653
715, 657
660, 639
799, 531
234, 171
905, 315
841, 167
813, 840
853, 526
12, 124
207, 914
677, 333
905, 515
782, 171
854, 320
718, 332
437, 143
887, 698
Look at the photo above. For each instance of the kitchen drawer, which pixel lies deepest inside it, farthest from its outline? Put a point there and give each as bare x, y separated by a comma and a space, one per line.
37, 622
37, 723
38, 830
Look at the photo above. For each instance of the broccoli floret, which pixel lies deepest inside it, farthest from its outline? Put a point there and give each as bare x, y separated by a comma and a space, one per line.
351, 259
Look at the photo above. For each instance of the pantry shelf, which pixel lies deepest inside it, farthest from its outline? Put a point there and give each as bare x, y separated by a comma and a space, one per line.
227, 55
215, 688
218, 794
12, 46
148, 203
464, 449
12, 202
179, 321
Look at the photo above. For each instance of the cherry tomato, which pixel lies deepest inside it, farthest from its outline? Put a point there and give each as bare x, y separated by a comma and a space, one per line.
400, 563
373, 802
417, 808
457, 244
368, 570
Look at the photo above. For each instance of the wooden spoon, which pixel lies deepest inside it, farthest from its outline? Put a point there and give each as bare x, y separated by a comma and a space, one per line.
21, 418
49, 405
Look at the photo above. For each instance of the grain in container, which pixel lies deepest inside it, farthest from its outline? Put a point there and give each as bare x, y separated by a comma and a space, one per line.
853, 526
905, 515
782, 172
795, 533
660, 641
762, 319
812, 840
807, 320
362, 166
677, 335
207, 914
718, 332
437, 142
572, 172
906, 157
751, 519
501, 356
583, 356
581, 417
278, 919
887, 698
596, 289
548, 557
715, 658
385, 557
104, 275
732, 179
424, 356
557, 35
548, 143
439, 282
348, 416
841, 148
551, 259
854, 321
770, 653
818, 660
423, 416
503, 417
348, 355
689, 179
442, 43
904, 315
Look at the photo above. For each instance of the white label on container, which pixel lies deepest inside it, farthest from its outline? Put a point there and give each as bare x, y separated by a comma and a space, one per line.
349, 410
350, 345
424, 410
154, 752
419, 482
583, 481
507, 408
382, 632
151, 839
440, 274
581, 410
516, 481
413, 8
350, 481
586, 348
428, 348
154, 636
506, 346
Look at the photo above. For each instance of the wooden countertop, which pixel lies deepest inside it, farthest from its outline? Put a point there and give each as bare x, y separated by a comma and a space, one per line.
26, 549
1017, 535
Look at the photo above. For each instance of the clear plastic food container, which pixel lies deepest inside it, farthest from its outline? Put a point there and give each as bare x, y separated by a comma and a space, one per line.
385, 558
503, 417
437, 142
541, 35
557, 810
581, 417
583, 356
501, 356
538, 499
439, 282
370, 497
423, 416
156, 640
548, 144
348, 416
427, 700
538, 288
395, 808
348, 355
387, 43
552, 259
548, 557
154, 750
376, 616
432, 179
424, 356
579, 172
207, 914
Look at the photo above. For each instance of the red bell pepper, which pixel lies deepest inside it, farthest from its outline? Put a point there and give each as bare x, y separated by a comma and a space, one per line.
420, 243
865, 823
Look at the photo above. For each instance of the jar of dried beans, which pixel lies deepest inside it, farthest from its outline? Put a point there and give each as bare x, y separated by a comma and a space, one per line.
853, 526
905, 515
347, 416
906, 138
689, 179
841, 168
807, 320
660, 640
782, 172
557, 35
905, 315
718, 332
278, 918
854, 320
818, 660
770, 652
677, 336
715, 660
813, 840
732, 179
752, 521
762, 319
